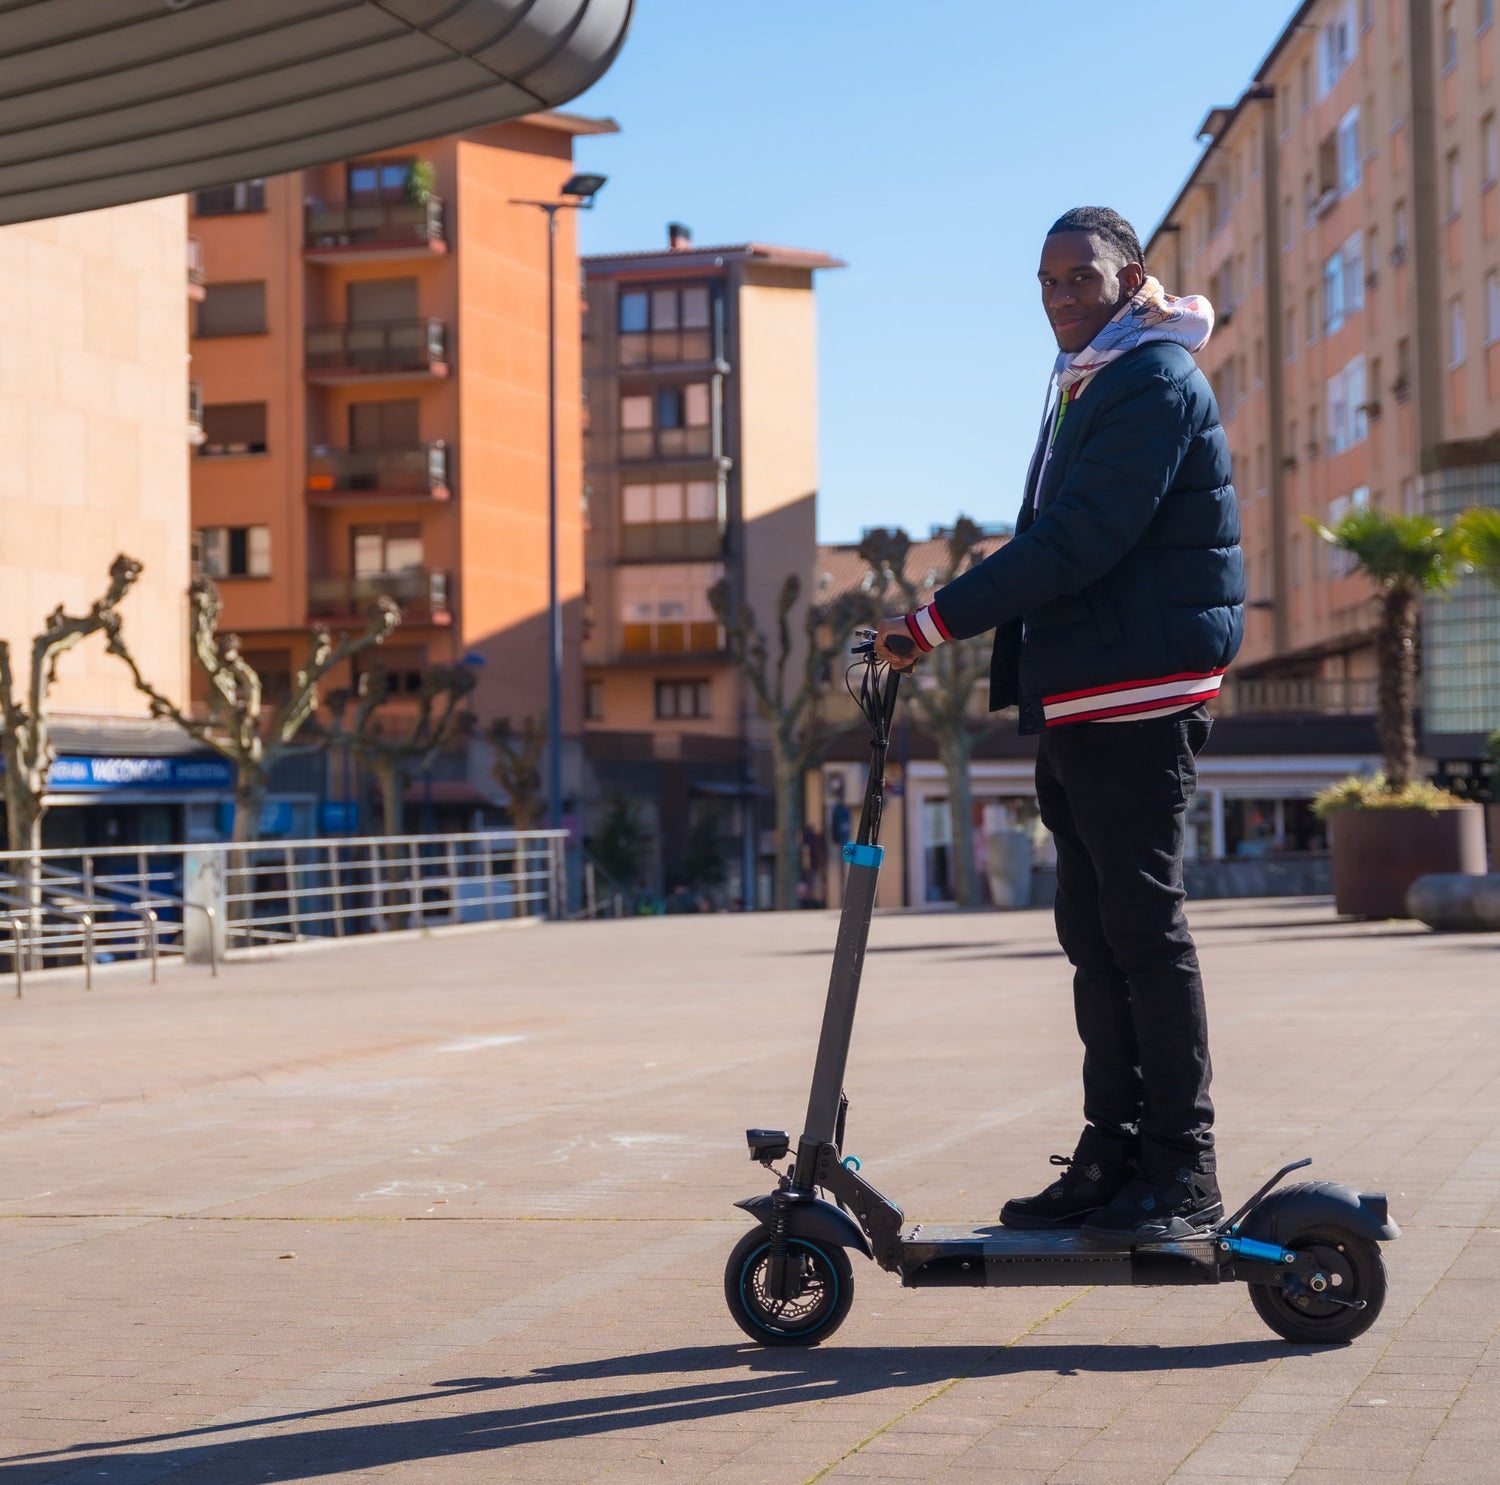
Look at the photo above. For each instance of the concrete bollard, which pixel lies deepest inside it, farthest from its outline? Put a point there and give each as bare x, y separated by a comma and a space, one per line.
1460, 902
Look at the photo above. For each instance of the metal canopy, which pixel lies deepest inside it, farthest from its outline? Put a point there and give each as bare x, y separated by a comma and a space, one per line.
108, 101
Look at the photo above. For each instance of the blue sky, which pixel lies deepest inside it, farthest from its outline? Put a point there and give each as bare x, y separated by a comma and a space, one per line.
929, 144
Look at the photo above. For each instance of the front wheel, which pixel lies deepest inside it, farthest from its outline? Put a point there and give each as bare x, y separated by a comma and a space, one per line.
826, 1283
1320, 1311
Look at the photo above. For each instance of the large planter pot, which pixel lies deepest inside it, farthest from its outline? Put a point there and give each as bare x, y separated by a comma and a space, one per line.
1378, 854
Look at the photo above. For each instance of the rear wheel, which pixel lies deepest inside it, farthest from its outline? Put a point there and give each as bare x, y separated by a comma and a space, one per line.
825, 1284
1320, 1309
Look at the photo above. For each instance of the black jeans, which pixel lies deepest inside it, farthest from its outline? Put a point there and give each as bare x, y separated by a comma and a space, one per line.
1114, 795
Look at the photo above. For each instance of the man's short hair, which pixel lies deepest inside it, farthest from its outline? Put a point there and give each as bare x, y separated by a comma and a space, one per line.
1107, 225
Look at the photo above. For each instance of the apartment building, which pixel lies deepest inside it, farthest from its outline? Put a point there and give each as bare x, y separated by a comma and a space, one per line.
1343, 220
701, 373
94, 397
372, 353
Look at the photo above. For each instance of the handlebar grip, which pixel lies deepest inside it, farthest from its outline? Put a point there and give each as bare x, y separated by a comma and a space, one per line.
899, 644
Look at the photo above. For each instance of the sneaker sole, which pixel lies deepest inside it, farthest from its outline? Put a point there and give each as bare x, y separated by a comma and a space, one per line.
1025, 1223
1182, 1227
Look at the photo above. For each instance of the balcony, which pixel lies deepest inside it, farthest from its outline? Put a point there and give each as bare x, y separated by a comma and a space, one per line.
663, 541
671, 637
347, 476
667, 443
195, 274
422, 594
391, 350
1256, 696
666, 347
367, 232
196, 434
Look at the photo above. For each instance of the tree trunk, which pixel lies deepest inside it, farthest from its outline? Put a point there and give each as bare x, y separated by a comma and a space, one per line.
954, 749
789, 817
388, 776
1396, 647
249, 803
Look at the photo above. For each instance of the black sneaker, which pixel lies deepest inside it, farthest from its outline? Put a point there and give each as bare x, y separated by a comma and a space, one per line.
1155, 1209
1081, 1189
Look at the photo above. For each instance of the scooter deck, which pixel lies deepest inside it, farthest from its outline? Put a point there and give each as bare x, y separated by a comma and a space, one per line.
935, 1254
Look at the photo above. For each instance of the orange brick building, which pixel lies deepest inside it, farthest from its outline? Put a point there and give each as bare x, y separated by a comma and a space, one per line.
371, 350
1344, 219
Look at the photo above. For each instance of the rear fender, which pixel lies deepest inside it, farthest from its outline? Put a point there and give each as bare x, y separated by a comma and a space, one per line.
813, 1218
1290, 1210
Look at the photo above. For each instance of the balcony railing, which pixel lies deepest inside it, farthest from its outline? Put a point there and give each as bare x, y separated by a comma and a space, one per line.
349, 226
666, 347
422, 594
672, 638
664, 540
1347, 696
385, 348
196, 277
667, 443
420, 473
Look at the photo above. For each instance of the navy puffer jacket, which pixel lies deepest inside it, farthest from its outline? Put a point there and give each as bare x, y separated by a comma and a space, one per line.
1121, 594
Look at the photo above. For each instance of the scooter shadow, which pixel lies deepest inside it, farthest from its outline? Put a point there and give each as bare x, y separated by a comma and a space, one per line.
606, 1396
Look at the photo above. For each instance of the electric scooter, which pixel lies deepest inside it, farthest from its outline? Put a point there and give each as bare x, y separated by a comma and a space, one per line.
1309, 1252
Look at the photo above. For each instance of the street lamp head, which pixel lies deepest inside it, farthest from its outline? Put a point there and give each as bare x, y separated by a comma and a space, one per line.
585, 186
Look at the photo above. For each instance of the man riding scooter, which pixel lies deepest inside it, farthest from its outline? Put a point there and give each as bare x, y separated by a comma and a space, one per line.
1116, 608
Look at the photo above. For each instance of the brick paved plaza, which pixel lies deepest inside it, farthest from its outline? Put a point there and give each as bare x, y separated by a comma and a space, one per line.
457, 1209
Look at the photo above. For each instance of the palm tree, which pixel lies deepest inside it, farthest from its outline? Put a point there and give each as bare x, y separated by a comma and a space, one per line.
1480, 528
1407, 556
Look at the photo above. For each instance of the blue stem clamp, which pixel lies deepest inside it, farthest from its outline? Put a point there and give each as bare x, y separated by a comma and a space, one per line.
857, 855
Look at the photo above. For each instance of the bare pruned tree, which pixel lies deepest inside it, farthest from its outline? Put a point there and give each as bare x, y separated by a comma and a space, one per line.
518, 767
237, 724
945, 680
791, 700
27, 742
392, 745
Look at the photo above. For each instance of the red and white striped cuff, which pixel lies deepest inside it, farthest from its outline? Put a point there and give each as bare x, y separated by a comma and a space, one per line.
927, 628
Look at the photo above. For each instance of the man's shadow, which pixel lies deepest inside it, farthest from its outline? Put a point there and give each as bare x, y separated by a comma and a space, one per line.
611, 1395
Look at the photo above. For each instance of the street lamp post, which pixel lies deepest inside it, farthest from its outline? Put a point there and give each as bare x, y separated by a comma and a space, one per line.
583, 189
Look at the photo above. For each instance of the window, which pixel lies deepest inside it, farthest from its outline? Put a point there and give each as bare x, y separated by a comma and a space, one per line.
682, 700
379, 180
1284, 112
1450, 37
232, 551
1354, 273
665, 324
1456, 350
593, 701
1372, 257
1348, 413
1336, 49
1491, 307
233, 428
1454, 180
1304, 78
1401, 387
1489, 149
233, 309
381, 550
1398, 249
1333, 294
1350, 163
1291, 334
673, 422
1312, 316
1486, 13
378, 426
223, 201
1288, 226
402, 667
665, 609
697, 500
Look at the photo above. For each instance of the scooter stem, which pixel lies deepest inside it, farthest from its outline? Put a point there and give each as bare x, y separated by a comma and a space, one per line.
864, 856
